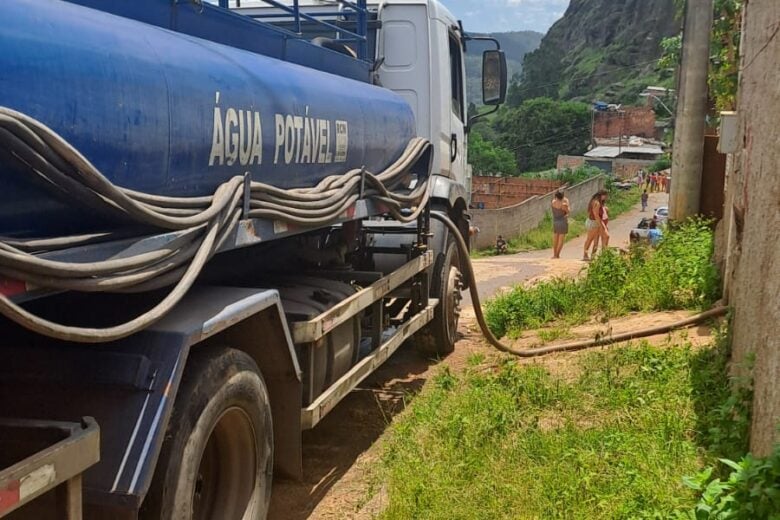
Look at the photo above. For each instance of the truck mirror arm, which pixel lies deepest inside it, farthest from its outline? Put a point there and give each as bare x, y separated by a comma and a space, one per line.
466, 38
474, 119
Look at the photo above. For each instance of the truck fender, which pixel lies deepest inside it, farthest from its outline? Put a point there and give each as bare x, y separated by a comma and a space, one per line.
446, 189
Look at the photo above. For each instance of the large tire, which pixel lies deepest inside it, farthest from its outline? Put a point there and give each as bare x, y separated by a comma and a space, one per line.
216, 461
438, 338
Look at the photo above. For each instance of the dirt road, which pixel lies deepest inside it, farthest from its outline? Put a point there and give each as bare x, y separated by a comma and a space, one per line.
337, 453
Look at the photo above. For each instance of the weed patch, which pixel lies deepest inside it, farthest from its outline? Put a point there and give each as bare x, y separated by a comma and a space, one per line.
520, 442
678, 274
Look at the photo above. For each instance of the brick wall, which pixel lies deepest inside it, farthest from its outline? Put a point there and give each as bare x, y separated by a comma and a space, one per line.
501, 192
638, 121
525, 216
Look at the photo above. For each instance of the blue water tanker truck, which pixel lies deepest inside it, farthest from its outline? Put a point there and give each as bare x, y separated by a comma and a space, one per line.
216, 219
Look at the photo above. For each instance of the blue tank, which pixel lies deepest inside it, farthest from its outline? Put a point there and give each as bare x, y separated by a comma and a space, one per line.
167, 113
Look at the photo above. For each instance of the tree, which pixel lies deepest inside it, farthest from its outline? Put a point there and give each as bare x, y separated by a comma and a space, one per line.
541, 129
724, 63
724, 69
542, 76
488, 159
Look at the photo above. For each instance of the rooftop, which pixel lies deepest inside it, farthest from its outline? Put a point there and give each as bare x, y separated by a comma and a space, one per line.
615, 151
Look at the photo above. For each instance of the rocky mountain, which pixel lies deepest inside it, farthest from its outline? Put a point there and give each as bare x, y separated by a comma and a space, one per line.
515, 44
600, 49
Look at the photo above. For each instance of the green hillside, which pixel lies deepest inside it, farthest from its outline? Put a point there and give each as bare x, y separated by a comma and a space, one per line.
515, 44
600, 49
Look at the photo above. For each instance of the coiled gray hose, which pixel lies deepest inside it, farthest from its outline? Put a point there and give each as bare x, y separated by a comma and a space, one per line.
205, 222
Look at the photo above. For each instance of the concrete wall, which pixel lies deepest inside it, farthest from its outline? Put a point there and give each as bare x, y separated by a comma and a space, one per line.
570, 161
521, 218
639, 121
621, 168
751, 226
502, 192
628, 168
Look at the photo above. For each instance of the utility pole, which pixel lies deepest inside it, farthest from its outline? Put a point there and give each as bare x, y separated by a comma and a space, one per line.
691, 111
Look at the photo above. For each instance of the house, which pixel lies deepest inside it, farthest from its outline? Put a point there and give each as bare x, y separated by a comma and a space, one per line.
621, 157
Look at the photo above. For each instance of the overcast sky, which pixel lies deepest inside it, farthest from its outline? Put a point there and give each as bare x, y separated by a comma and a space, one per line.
507, 15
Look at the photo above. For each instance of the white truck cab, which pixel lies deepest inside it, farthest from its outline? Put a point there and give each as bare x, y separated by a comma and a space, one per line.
420, 49
419, 53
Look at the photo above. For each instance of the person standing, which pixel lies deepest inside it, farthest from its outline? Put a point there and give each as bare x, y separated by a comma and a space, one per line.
645, 196
604, 228
560, 213
593, 225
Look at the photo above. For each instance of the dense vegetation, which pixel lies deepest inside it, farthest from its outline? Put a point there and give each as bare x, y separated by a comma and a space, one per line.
488, 158
678, 274
724, 64
541, 129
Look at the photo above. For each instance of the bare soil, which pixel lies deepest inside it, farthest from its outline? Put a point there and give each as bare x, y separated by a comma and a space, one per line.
339, 452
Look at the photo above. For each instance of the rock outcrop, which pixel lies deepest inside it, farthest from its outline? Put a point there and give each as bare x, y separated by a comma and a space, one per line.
604, 49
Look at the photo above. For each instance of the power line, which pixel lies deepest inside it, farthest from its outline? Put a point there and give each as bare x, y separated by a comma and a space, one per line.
570, 132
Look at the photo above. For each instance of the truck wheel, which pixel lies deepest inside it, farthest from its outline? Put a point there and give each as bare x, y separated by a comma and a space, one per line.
438, 337
216, 461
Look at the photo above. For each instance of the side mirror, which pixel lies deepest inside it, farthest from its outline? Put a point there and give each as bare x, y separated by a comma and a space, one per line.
494, 77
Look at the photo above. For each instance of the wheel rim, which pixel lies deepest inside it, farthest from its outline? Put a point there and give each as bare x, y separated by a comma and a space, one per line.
226, 479
453, 298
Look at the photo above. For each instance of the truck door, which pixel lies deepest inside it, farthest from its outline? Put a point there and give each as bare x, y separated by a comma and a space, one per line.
458, 116
404, 54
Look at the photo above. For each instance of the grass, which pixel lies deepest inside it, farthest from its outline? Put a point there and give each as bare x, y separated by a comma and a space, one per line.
678, 274
636, 432
540, 237
614, 438
555, 333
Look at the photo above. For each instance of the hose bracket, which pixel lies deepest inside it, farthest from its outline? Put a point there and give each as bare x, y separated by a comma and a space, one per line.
247, 195
362, 181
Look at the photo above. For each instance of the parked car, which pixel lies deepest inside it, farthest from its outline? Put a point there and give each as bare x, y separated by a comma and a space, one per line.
661, 214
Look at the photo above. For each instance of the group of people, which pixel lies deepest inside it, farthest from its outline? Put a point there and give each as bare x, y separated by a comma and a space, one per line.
597, 224
654, 182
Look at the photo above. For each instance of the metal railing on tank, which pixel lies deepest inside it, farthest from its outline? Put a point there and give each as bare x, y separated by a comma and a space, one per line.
355, 12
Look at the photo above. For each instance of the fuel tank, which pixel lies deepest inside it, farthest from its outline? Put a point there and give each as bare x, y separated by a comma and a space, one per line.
167, 113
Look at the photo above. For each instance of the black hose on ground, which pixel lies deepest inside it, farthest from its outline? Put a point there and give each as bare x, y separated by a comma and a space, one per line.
566, 347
